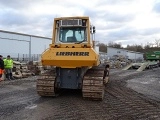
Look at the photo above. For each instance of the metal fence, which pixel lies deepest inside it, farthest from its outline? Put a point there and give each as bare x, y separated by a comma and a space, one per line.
22, 57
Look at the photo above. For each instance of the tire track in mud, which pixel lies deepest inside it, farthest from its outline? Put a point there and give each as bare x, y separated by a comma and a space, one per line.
130, 104
137, 107
120, 103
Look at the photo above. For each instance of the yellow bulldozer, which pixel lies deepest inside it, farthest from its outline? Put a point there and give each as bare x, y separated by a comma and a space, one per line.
75, 62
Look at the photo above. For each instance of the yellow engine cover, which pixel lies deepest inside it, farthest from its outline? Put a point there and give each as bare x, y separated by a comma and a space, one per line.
70, 57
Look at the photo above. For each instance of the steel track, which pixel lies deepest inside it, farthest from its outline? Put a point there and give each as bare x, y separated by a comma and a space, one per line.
93, 84
46, 83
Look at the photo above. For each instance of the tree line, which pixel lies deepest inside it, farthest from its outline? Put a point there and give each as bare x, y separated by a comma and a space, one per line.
137, 48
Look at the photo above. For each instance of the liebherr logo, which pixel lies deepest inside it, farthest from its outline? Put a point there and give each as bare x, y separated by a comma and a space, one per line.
72, 53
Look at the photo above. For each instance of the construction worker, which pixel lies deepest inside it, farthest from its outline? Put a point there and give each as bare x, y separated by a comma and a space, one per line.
1, 67
106, 74
8, 65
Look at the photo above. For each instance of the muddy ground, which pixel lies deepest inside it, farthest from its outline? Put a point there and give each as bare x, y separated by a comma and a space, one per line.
130, 95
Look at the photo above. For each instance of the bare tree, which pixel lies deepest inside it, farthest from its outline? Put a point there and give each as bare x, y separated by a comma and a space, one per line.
113, 44
146, 46
102, 47
157, 42
151, 44
137, 48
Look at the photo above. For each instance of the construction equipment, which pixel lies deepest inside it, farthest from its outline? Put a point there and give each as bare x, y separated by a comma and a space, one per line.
154, 55
75, 62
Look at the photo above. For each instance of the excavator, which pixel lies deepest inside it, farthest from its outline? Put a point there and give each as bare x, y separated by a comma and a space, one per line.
75, 64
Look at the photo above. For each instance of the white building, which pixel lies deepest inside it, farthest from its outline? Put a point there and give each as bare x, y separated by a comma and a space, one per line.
126, 53
20, 45
13, 42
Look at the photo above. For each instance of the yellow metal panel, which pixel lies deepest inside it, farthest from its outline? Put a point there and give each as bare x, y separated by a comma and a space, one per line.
69, 58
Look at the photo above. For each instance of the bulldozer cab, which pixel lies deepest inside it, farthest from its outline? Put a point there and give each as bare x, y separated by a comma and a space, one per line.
71, 30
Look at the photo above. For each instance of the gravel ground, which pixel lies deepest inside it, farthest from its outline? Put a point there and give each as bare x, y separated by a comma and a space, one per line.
130, 95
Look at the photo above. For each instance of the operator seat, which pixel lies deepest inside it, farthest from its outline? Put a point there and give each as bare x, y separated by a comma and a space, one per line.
71, 39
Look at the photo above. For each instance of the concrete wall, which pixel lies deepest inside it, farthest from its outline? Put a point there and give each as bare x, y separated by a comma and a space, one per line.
135, 55
131, 55
115, 51
126, 53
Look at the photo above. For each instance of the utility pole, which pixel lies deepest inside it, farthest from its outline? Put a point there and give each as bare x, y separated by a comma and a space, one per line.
30, 48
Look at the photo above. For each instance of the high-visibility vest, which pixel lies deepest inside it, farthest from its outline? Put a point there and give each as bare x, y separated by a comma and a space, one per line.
8, 63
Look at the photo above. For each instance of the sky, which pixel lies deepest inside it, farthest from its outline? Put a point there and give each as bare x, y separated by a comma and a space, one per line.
127, 22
